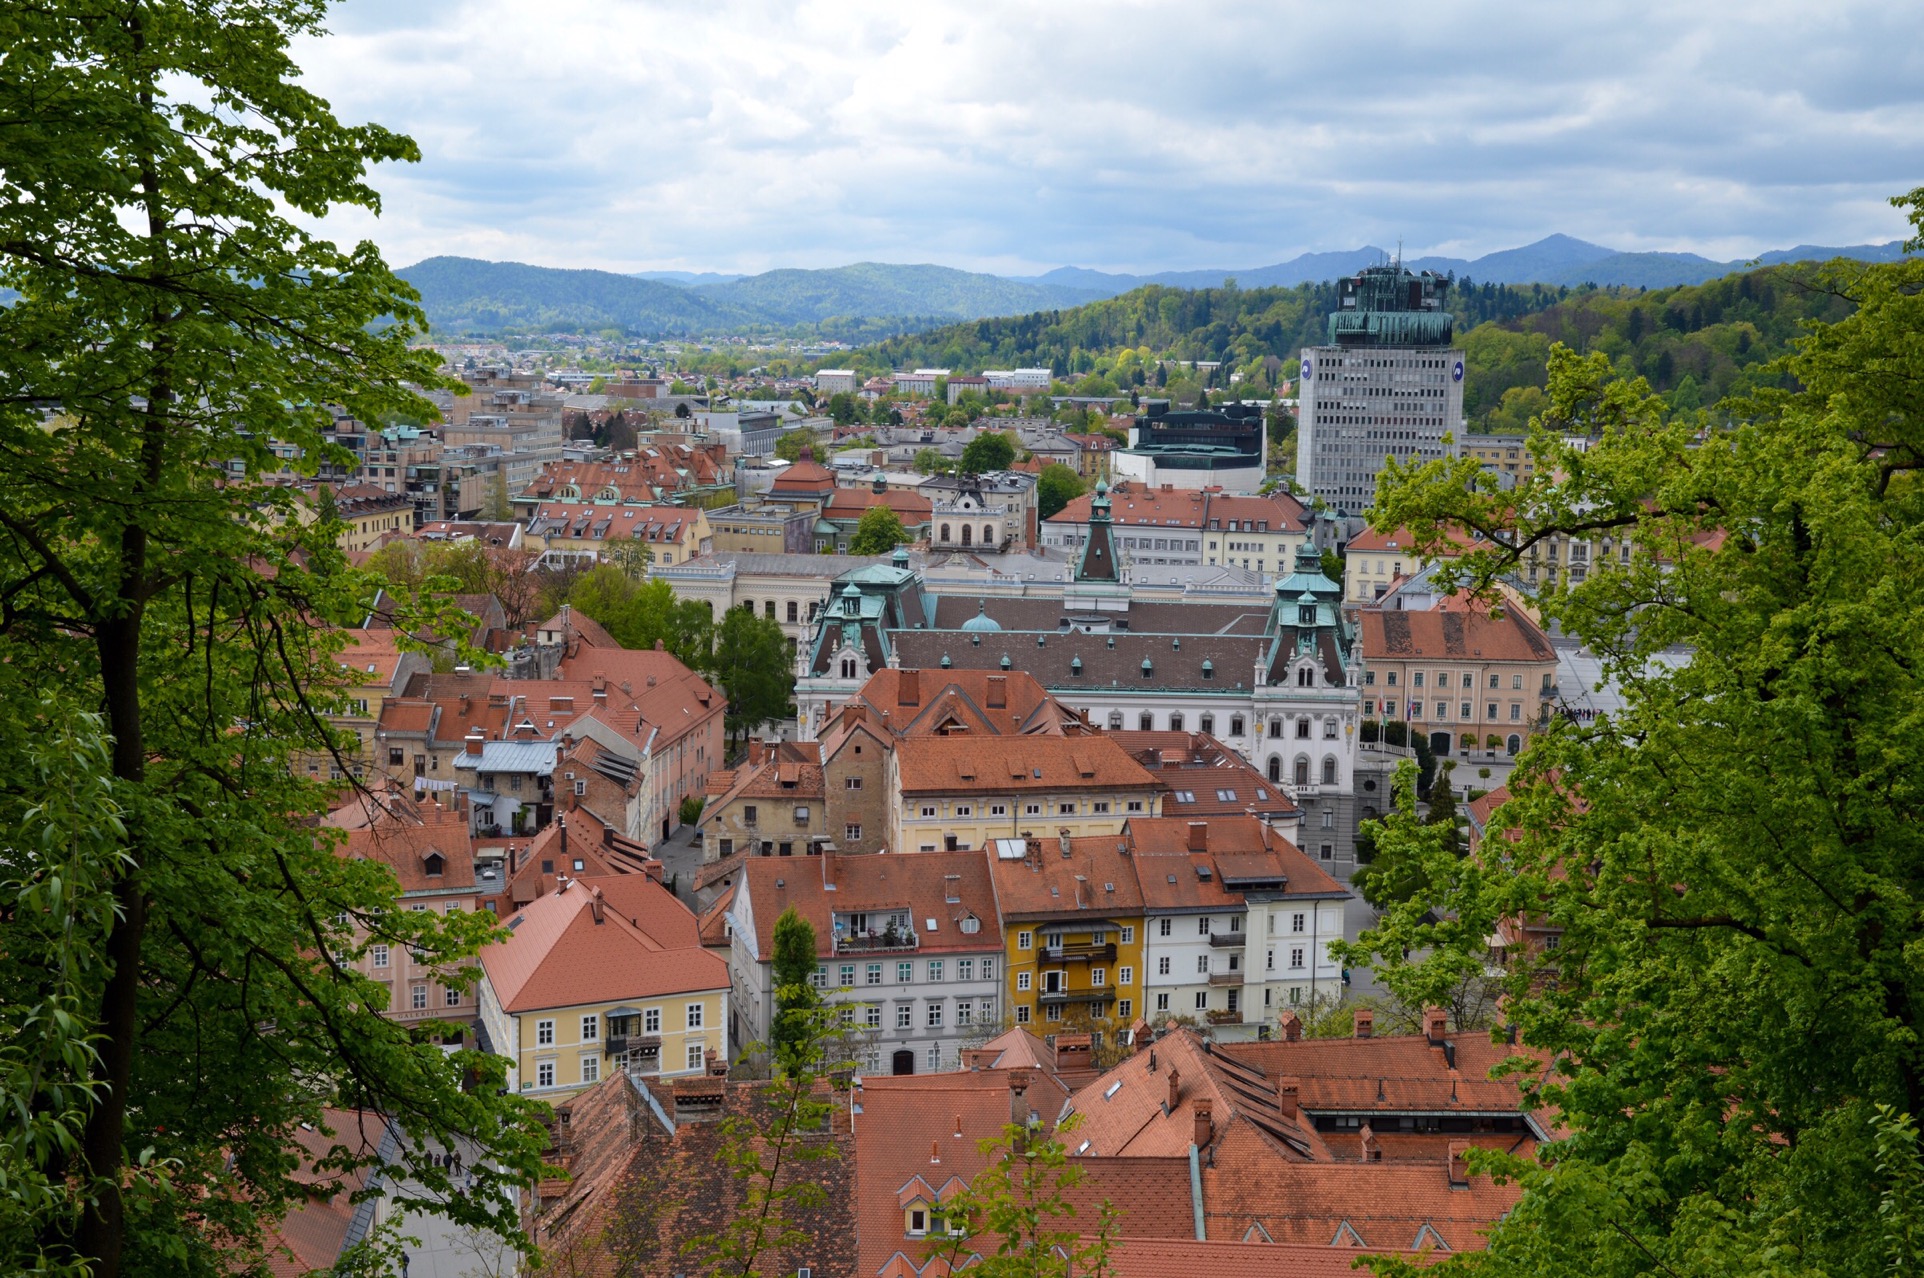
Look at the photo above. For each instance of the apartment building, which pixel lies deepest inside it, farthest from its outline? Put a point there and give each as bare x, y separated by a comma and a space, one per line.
1373, 562
1261, 534
958, 792
603, 974
1466, 678
910, 949
1072, 926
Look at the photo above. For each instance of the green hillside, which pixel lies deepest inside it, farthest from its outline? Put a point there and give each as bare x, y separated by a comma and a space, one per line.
464, 295
874, 289
1697, 343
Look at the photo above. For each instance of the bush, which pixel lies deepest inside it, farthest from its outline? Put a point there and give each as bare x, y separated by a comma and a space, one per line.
1396, 733
1493, 742
1425, 765
691, 809
1370, 731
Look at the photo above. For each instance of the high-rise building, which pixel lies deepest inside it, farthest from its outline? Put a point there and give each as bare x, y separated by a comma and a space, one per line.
1388, 384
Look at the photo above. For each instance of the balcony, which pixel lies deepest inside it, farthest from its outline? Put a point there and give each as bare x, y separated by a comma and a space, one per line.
1048, 997
872, 943
1227, 940
1106, 952
1225, 978
620, 1044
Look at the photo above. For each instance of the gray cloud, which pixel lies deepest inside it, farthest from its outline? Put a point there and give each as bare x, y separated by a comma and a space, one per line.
1001, 135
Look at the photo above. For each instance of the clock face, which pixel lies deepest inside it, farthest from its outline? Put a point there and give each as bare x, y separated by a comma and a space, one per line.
1309, 370
1456, 371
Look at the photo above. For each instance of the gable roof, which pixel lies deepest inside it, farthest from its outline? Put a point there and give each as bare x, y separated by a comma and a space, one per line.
1015, 764
1453, 635
947, 887
557, 954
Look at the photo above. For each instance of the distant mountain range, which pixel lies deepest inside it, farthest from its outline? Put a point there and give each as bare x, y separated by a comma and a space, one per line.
465, 295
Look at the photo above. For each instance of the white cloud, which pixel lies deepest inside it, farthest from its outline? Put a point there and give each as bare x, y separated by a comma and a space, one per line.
743, 135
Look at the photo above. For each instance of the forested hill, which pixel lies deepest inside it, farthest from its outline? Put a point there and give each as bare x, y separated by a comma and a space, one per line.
1696, 343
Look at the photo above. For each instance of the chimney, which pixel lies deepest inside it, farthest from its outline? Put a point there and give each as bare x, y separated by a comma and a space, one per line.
935, 1151
1372, 1153
1365, 1022
754, 752
1198, 836
561, 823
1292, 1026
594, 904
908, 688
607, 836
1018, 1098
1436, 1023
1287, 1090
1459, 1164
1204, 1127
1062, 841
1175, 1089
998, 692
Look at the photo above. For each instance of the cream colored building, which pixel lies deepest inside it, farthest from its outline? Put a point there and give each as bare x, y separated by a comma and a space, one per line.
602, 974
955, 792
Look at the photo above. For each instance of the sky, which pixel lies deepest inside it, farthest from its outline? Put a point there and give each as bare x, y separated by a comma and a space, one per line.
1135, 135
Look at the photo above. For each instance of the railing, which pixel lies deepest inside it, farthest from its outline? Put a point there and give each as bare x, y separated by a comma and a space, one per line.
1076, 996
622, 1044
1228, 940
872, 944
1084, 950
1225, 978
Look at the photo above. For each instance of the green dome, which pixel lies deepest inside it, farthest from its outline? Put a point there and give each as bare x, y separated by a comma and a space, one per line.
982, 621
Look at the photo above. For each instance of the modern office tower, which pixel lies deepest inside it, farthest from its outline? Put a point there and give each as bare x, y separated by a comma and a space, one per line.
1387, 384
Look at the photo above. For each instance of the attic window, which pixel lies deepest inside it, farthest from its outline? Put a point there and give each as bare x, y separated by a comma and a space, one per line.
433, 865
1006, 663
1208, 670
1111, 1090
1148, 668
1075, 667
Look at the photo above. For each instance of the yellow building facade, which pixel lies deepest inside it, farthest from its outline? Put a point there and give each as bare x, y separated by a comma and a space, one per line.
1072, 926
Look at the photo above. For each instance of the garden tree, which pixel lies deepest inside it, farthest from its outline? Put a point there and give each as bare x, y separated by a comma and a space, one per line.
793, 971
753, 666
991, 450
1016, 1214
642, 614
1735, 859
496, 507
1443, 813
877, 532
176, 995
930, 461
789, 447
632, 556
1055, 488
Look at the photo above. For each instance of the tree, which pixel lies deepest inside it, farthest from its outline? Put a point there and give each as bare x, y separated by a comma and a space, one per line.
930, 461
1014, 1204
878, 532
795, 994
991, 450
642, 614
497, 508
753, 666
632, 556
1733, 859
1056, 487
789, 447
176, 993
1443, 808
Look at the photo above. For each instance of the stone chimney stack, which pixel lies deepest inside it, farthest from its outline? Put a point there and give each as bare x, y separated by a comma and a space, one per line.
1292, 1026
1459, 1164
1365, 1022
1288, 1090
1436, 1024
1199, 836
1175, 1089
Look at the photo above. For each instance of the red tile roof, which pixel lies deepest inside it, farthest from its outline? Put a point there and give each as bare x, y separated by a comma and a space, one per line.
404, 836
934, 765
1449, 635
557, 955
1133, 505
940, 702
923, 884
1096, 880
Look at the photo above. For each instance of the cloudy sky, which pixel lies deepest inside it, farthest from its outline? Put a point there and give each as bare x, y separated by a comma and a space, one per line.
741, 135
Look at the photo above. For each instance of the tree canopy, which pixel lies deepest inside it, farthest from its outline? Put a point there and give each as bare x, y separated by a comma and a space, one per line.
990, 450
177, 994
1734, 860
793, 973
753, 666
877, 532
1057, 487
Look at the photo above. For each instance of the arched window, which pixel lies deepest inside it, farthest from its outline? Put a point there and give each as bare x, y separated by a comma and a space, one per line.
1302, 769
945, 532
988, 534
1275, 767
1175, 722
1514, 744
1329, 769
1115, 720
1305, 677
1147, 722
968, 533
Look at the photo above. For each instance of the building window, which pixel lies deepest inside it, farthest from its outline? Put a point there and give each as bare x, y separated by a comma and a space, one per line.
1296, 956
988, 969
1297, 922
935, 970
1098, 977
1207, 723
694, 1015
1202, 1000
854, 783
1202, 964
1146, 721
872, 1016
964, 1012
544, 1033
1053, 1012
1162, 927
590, 1068
1235, 725
904, 973
1329, 769
1175, 721
1022, 1014
965, 969
590, 1028
451, 996
852, 833
1024, 940
904, 1016
1125, 976
935, 1015
1162, 1002
380, 955
697, 1056
1162, 966
873, 976
1032, 809
1022, 981
544, 1074
1129, 935
846, 975
418, 997
1065, 809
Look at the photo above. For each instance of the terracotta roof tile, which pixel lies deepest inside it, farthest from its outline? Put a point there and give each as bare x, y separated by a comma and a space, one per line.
557, 955
923, 884
1443, 634
930, 765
